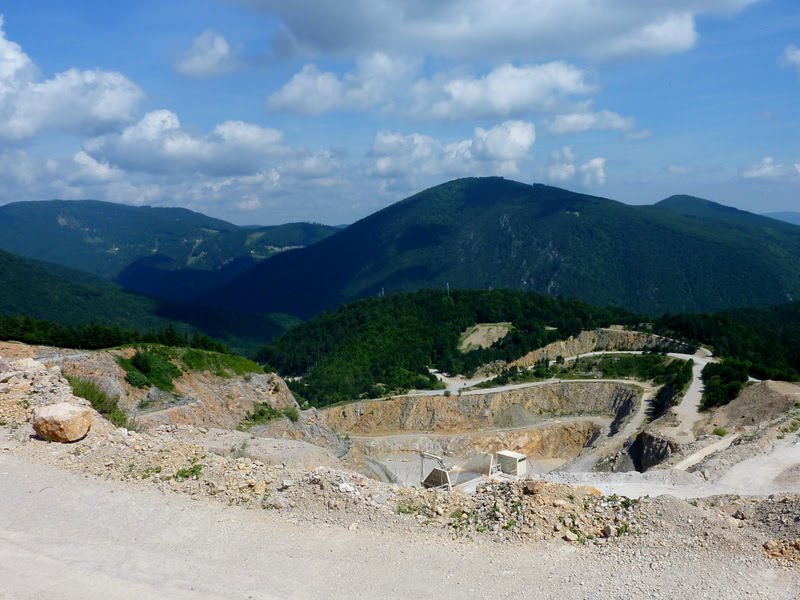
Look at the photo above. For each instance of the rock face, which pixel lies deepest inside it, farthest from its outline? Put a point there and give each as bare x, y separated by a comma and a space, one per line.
474, 411
201, 399
601, 339
62, 422
649, 450
558, 440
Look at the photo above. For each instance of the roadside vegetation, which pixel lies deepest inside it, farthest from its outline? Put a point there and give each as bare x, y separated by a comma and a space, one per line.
106, 405
159, 366
264, 413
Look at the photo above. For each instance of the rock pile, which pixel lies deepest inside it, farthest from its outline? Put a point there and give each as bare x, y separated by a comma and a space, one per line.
527, 510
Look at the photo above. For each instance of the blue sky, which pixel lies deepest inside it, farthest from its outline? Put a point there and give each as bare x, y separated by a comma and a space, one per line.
266, 111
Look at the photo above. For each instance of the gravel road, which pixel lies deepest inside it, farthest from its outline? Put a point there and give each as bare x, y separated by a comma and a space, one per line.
66, 536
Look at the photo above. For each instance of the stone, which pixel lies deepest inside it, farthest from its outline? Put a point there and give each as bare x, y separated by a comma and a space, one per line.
62, 422
608, 531
570, 536
347, 488
286, 484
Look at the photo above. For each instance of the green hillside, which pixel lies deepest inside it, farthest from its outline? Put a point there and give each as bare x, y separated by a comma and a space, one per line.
385, 345
106, 239
68, 297
767, 338
683, 254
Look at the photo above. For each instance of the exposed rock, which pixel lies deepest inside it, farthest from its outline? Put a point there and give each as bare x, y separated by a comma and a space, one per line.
570, 536
649, 450
62, 422
601, 339
478, 410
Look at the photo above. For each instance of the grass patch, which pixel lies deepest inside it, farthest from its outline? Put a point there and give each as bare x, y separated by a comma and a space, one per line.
151, 366
192, 472
720, 431
106, 405
291, 413
221, 365
264, 413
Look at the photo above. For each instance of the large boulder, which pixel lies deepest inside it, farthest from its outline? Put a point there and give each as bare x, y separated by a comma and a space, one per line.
62, 422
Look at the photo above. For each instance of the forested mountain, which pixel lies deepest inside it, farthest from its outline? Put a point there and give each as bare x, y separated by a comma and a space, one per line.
69, 297
166, 252
682, 254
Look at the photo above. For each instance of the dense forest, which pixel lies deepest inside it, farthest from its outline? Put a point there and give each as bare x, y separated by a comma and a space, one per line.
385, 345
94, 336
766, 338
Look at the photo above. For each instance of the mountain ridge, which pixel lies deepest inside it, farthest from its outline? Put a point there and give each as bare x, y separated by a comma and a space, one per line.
493, 232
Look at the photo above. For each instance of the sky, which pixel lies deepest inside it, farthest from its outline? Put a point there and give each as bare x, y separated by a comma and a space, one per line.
267, 111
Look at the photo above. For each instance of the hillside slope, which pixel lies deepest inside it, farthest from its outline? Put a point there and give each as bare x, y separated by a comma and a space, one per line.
104, 238
683, 254
69, 297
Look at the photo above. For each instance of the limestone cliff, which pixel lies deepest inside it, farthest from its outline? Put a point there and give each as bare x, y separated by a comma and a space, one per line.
601, 339
474, 411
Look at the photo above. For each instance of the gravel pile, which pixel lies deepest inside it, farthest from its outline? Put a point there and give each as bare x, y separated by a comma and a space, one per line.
525, 510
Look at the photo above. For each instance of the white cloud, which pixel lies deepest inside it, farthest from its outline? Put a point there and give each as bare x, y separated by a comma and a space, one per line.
593, 172
679, 169
375, 81
495, 151
564, 168
511, 29
208, 56
791, 57
506, 91
389, 84
249, 204
74, 101
767, 168
585, 121
92, 170
158, 144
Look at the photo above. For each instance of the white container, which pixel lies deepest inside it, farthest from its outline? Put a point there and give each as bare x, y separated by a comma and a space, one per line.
512, 463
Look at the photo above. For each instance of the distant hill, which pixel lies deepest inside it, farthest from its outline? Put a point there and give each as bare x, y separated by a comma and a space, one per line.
137, 245
682, 254
69, 297
788, 217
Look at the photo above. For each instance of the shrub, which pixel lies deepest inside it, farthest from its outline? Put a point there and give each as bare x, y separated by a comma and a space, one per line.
189, 472
103, 403
720, 431
150, 367
291, 413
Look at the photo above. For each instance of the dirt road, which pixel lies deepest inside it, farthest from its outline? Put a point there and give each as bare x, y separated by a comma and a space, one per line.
63, 536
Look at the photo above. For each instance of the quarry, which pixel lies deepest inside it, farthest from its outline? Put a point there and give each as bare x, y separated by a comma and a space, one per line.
573, 462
